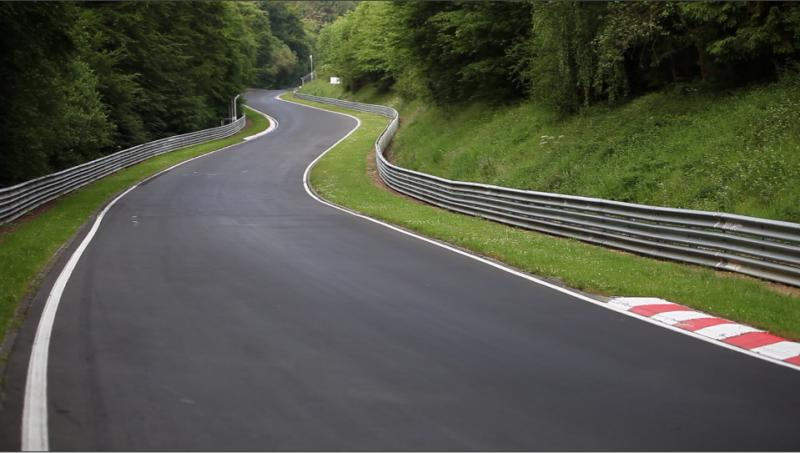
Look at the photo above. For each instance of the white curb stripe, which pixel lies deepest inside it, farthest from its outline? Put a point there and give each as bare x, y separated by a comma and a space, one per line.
35, 434
674, 317
723, 331
630, 302
782, 350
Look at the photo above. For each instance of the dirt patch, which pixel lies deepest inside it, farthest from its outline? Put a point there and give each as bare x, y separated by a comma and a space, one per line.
372, 174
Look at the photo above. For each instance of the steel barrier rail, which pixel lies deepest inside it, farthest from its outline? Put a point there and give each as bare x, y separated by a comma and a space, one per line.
308, 78
19, 199
768, 249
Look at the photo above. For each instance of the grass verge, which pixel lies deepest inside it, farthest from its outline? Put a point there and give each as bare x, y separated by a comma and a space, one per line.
29, 244
342, 177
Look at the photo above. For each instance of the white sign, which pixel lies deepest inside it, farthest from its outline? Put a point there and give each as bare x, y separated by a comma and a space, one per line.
336, 81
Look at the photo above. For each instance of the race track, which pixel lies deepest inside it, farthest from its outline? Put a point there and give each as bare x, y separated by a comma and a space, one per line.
220, 307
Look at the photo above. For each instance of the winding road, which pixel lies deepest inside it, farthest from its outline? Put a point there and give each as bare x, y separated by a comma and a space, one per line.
220, 307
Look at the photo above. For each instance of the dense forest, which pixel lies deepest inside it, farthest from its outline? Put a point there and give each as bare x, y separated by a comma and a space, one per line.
563, 54
79, 80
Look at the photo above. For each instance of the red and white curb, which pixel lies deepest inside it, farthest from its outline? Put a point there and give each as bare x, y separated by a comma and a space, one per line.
739, 336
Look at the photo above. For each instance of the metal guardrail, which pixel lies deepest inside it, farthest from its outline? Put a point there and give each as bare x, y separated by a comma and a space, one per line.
308, 78
17, 200
763, 248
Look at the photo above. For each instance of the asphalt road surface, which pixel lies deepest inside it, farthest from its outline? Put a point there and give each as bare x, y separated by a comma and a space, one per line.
220, 307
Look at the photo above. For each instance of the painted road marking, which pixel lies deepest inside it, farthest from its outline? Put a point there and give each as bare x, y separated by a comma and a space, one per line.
723, 331
717, 330
35, 434
674, 317
631, 302
781, 351
701, 323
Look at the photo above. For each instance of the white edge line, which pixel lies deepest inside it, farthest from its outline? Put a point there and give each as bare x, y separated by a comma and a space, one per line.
509, 269
273, 124
35, 435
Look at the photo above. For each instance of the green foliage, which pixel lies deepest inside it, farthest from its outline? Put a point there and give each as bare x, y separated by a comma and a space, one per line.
467, 49
292, 60
563, 63
564, 54
747, 29
82, 80
275, 63
446, 51
359, 46
51, 109
316, 14
587, 52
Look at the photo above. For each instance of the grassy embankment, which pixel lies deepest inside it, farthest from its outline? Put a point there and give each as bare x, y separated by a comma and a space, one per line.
342, 177
29, 244
735, 152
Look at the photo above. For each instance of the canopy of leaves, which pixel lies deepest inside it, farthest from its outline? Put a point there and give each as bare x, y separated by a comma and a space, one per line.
79, 80
316, 14
565, 54
82, 80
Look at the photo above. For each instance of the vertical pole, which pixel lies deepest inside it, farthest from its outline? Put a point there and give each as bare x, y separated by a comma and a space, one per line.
235, 115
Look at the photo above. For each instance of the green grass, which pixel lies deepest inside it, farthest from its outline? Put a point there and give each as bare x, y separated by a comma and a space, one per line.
686, 147
28, 245
342, 177
321, 87
369, 93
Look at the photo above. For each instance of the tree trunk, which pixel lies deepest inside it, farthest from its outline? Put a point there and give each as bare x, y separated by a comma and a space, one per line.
707, 69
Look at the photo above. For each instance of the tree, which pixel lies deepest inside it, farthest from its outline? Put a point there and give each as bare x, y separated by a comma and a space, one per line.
316, 14
81, 80
52, 113
468, 49
288, 29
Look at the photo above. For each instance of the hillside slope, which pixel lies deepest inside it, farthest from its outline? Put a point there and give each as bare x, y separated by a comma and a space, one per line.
736, 151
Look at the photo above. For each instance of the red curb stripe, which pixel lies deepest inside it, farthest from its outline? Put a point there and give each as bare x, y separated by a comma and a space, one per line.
793, 360
697, 324
749, 342
654, 309
752, 340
